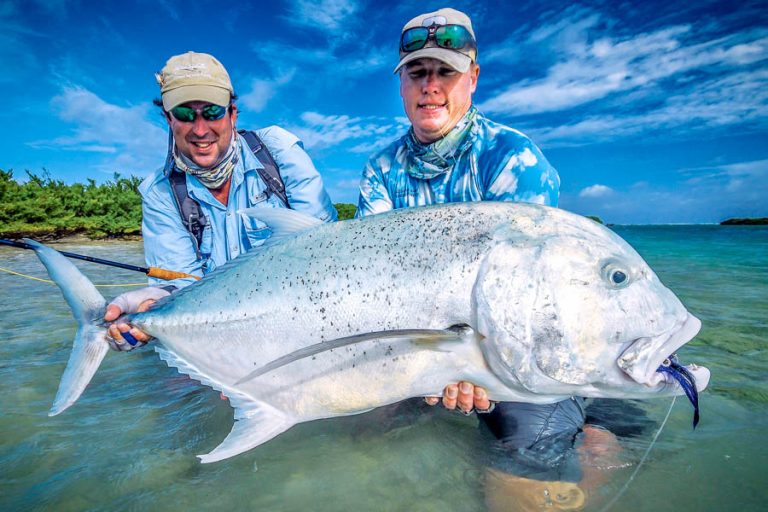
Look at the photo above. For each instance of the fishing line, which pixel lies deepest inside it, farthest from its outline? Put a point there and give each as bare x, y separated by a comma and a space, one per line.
642, 460
51, 282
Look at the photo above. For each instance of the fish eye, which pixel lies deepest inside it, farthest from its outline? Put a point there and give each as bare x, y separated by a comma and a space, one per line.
616, 275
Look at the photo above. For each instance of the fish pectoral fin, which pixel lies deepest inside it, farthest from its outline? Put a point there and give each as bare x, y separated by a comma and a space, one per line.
255, 424
428, 337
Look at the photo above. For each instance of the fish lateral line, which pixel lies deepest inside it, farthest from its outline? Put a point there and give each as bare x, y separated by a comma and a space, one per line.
430, 338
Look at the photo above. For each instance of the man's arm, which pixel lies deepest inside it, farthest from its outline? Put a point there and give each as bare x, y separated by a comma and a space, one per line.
374, 197
167, 245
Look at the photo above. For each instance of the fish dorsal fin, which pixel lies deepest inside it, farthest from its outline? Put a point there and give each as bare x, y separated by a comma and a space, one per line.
283, 223
432, 337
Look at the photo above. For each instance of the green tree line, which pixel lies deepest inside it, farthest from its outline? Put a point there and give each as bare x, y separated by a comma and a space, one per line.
43, 207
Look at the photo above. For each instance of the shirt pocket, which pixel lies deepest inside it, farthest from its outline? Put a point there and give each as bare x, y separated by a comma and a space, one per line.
254, 231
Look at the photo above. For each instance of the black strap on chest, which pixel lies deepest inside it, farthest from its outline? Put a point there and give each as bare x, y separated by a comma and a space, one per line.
192, 216
270, 174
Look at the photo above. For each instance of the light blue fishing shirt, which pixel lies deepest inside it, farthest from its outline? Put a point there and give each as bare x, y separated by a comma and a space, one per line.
229, 232
488, 162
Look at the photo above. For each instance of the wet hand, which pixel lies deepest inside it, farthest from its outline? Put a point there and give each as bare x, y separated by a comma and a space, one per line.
122, 335
465, 397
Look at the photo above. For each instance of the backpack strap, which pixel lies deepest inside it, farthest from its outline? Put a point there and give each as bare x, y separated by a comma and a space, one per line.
192, 216
270, 174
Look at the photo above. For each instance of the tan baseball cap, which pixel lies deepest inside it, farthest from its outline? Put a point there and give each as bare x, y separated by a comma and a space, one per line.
457, 59
194, 77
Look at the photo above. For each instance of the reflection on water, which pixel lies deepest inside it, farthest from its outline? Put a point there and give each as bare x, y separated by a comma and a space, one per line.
130, 442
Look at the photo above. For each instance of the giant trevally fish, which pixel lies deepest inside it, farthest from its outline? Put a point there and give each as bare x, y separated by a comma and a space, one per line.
533, 303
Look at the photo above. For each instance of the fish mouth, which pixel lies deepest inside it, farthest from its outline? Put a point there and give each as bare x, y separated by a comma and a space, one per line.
641, 360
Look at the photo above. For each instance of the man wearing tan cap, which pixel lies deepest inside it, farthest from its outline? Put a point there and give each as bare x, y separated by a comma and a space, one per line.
191, 206
453, 153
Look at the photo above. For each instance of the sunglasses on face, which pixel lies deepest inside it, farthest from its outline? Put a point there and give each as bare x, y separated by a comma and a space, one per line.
452, 37
209, 113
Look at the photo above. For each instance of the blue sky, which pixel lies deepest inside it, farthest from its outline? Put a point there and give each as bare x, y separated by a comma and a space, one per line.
652, 112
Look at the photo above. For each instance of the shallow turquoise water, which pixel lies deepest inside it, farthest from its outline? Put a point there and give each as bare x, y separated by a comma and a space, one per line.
130, 442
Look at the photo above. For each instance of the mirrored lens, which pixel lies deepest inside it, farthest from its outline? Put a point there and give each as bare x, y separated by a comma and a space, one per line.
209, 113
213, 112
184, 114
414, 39
452, 36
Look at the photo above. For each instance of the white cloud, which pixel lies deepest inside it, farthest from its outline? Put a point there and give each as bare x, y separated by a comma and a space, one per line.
733, 99
170, 8
343, 185
332, 58
323, 62
324, 15
261, 91
15, 46
321, 131
709, 194
138, 145
595, 65
595, 191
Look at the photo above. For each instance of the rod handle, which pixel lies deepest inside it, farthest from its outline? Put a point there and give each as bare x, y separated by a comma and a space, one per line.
167, 275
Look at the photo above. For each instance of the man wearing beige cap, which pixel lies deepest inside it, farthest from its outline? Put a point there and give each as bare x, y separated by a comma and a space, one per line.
453, 153
192, 219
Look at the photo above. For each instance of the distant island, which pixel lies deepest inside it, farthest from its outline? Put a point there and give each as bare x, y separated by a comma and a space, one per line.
756, 221
596, 219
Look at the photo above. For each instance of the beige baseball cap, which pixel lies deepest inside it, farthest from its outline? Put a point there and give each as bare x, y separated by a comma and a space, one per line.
194, 76
457, 59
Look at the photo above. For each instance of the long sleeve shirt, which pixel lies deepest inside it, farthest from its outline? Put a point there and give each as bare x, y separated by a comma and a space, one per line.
229, 232
498, 164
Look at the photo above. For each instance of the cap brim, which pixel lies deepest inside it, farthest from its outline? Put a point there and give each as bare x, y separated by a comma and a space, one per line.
456, 60
187, 93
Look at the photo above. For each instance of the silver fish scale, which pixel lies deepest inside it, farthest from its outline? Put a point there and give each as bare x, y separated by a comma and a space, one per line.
306, 290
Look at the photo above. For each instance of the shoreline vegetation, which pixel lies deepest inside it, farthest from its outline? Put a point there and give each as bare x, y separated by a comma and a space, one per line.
47, 209
757, 221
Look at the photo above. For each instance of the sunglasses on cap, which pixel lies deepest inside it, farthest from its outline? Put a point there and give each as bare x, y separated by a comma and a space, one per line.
452, 37
209, 113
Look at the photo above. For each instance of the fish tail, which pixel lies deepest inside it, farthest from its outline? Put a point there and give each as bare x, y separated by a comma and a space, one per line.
87, 304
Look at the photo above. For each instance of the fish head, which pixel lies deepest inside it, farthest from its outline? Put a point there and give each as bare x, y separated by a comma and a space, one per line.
569, 308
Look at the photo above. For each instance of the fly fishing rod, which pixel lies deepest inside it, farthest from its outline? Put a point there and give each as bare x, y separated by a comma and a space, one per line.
158, 273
